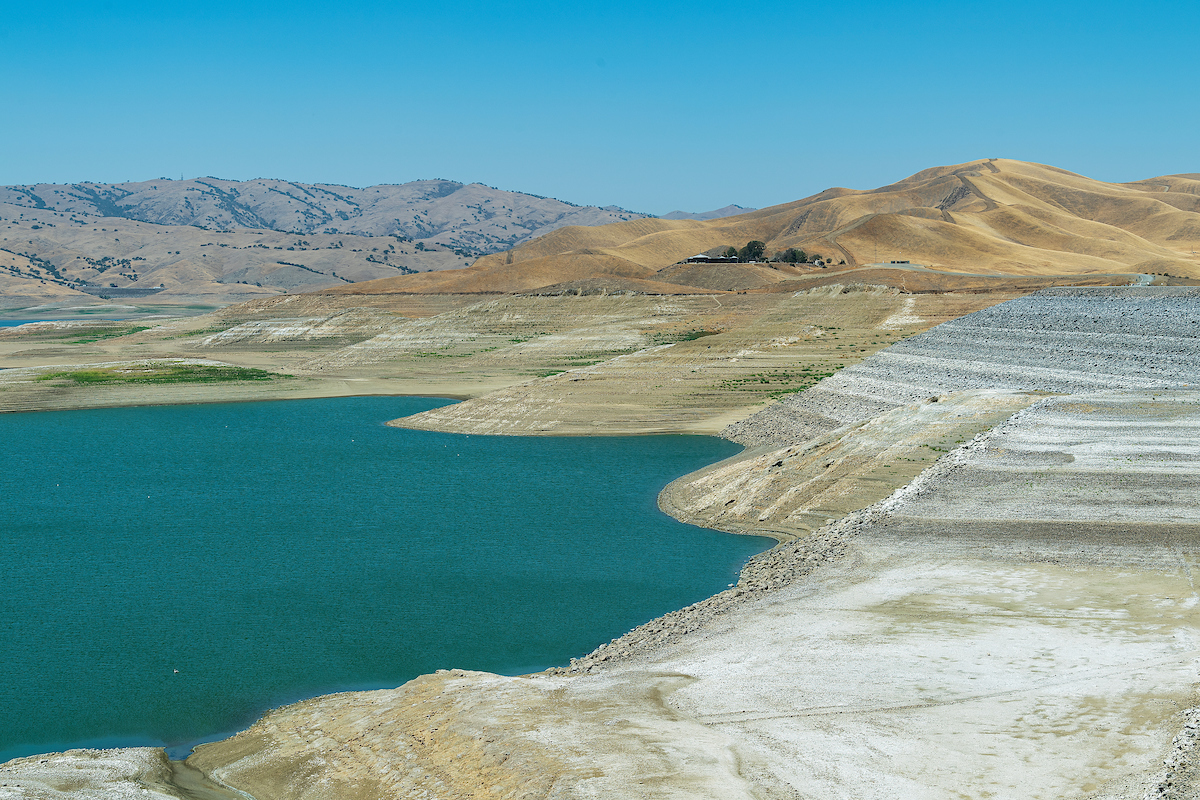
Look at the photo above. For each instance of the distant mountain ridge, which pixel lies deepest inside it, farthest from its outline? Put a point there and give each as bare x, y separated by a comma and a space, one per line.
473, 219
720, 213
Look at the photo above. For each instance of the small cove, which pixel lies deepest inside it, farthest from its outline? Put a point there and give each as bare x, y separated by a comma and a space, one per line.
275, 551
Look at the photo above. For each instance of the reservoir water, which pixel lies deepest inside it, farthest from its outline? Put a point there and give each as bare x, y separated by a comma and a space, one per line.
169, 573
12, 323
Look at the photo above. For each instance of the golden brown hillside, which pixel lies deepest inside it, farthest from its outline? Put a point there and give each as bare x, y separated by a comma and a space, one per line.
988, 217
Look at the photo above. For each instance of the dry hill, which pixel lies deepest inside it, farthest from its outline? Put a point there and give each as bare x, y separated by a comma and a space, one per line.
213, 242
471, 218
988, 217
48, 258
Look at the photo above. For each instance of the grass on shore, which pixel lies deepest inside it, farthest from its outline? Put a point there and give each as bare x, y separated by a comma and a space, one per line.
780, 382
96, 337
160, 373
682, 336
80, 335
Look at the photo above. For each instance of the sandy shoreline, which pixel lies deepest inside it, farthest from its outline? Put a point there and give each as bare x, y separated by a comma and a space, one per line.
300, 388
20, 393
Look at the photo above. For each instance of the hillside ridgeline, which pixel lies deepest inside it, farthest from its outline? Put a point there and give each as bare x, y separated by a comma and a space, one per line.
64, 247
983, 219
472, 217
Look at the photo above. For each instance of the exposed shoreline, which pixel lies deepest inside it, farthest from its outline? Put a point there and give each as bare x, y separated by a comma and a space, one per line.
329, 388
135, 396
973, 570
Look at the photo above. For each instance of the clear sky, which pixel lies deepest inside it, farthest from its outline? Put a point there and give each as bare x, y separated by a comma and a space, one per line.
652, 106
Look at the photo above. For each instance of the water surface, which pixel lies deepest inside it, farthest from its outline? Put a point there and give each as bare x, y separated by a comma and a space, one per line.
275, 551
12, 323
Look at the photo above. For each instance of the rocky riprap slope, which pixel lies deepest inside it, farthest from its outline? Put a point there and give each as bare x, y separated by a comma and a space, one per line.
1062, 341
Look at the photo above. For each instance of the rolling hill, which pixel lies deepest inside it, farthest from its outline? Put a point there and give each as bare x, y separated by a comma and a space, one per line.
471, 218
218, 242
989, 217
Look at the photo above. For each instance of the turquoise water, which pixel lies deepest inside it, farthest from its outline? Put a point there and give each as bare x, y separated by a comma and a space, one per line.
275, 551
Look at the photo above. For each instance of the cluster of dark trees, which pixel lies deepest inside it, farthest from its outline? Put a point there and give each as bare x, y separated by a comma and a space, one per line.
754, 251
793, 256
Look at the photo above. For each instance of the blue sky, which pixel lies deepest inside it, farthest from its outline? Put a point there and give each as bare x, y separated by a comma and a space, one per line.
650, 106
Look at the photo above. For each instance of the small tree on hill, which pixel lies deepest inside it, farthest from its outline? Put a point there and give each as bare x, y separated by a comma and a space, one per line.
730, 252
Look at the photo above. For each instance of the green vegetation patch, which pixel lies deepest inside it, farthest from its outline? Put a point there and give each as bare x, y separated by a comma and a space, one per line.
683, 336
596, 356
79, 334
98, 336
778, 382
162, 373
203, 331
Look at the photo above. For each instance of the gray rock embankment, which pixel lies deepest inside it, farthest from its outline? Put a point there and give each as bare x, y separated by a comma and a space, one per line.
766, 572
1177, 780
1061, 341
1058, 341
776, 568
1034, 581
